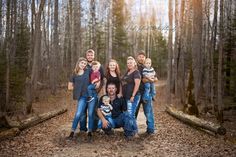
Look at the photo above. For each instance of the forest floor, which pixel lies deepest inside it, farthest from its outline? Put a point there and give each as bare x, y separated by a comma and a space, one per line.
172, 138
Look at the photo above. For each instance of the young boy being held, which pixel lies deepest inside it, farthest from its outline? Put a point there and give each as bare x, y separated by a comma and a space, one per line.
149, 86
106, 111
95, 78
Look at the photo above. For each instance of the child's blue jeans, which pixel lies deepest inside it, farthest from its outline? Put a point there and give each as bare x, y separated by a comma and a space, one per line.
109, 119
92, 90
149, 91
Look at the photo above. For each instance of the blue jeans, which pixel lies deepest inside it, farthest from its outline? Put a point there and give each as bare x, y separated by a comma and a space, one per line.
127, 122
81, 114
109, 119
92, 90
132, 106
149, 91
148, 112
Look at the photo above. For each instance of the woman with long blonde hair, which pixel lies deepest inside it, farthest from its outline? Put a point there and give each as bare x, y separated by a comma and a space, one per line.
79, 82
130, 86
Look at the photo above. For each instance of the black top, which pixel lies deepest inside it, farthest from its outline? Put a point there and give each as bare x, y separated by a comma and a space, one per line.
115, 80
80, 84
128, 83
119, 106
141, 87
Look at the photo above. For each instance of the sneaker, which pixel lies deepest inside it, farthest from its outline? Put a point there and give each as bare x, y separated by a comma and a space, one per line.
90, 98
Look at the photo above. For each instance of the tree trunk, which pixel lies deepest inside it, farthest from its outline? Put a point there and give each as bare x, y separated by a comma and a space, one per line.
93, 44
1, 24
31, 53
182, 50
76, 47
67, 43
196, 122
170, 51
14, 32
36, 53
220, 62
32, 121
211, 51
197, 47
110, 32
176, 51
54, 68
9, 133
7, 51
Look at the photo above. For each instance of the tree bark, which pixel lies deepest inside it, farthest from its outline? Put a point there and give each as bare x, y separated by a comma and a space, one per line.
176, 50
196, 122
93, 43
212, 50
7, 51
76, 46
170, 51
110, 31
67, 43
220, 62
182, 50
1, 24
36, 50
9, 133
197, 47
54, 68
32, 121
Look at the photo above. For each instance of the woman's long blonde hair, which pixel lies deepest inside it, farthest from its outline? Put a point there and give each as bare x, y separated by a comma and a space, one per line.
77, 68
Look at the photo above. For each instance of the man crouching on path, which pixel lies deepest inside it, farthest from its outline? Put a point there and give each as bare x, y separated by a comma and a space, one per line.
120, 116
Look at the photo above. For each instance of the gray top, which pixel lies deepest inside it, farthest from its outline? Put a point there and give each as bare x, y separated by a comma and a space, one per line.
149, 72
128, 83
80, 83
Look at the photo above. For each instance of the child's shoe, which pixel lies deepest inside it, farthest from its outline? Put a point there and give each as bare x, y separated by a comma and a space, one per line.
90, 98
145, 101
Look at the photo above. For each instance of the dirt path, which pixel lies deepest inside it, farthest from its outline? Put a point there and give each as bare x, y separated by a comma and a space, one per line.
173, 138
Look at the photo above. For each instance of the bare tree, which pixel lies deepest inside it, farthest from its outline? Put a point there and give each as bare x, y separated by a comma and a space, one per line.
220, 62
176, 49
36, 55
197, 46
76, 41
1, 24
110, 31
67, 61
93, 42
54, 59
170, 51
7, 51
212, 46
181, 53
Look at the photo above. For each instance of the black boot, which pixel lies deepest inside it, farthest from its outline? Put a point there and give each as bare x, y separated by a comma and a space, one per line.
89, 136
70, 137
